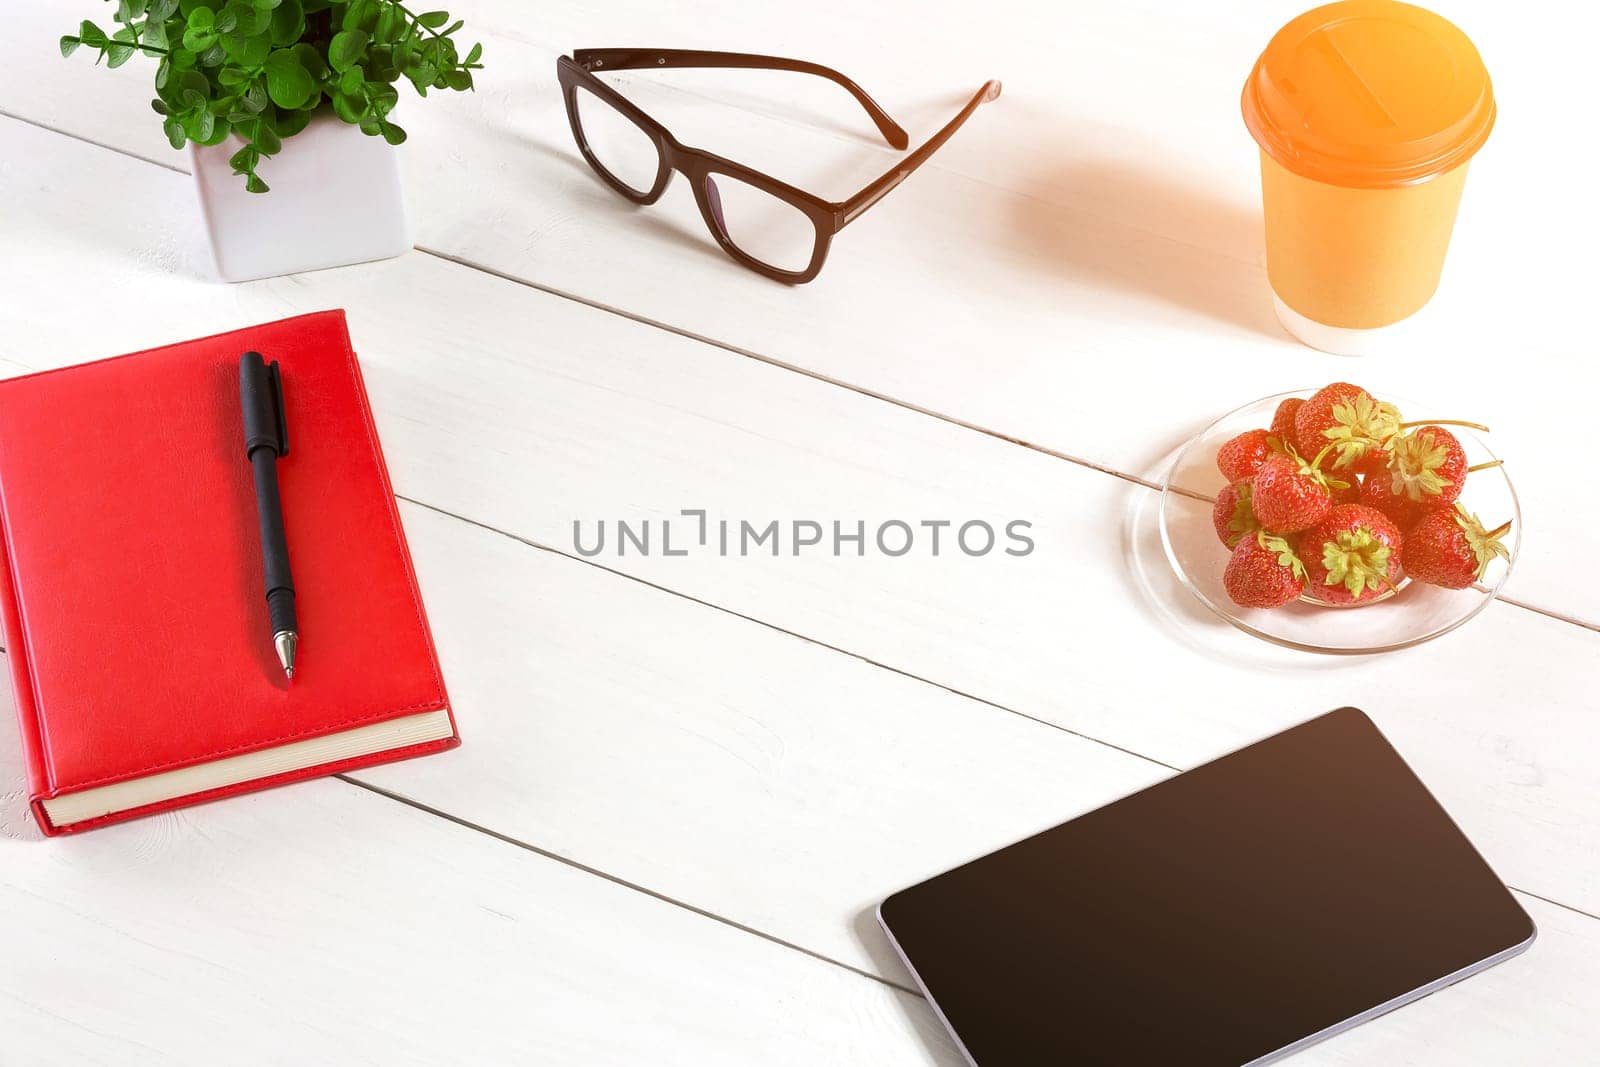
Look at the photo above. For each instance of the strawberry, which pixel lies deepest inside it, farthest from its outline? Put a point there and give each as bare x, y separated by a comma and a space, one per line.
1348, 418
1426, 466
1375, 493
1240, 457
1232, 514
1349, 494
1449, 546
1351, 556
1263, 572
1283, 419
1289, 494
1376, 461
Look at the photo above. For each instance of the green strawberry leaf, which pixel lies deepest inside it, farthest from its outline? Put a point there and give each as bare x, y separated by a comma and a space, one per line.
1364, 424
1414, 467
1243, 520
1485, 545
1356, 560
1285, 553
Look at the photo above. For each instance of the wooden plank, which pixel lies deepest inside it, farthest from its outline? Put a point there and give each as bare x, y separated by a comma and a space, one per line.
1484, 1033
527, 412
1095, 228
731, 795
323, 923
765, 778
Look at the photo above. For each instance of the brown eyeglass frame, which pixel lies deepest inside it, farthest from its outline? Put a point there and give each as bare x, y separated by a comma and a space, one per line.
697, 165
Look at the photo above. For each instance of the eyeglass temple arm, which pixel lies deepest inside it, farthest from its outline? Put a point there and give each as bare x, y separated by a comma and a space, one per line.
847, 211
603, 59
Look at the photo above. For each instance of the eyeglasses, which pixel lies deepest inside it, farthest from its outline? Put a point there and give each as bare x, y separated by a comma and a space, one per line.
767, 225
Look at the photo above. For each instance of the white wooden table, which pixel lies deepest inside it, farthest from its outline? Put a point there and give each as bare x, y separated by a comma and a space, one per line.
685, 782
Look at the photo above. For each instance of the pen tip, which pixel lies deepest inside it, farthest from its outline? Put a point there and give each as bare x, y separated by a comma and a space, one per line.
286, 642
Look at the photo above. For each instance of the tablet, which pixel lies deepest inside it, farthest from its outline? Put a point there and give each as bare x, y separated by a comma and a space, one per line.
1230, 915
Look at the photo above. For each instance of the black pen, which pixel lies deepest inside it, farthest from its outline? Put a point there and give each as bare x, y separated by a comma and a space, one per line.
266, 440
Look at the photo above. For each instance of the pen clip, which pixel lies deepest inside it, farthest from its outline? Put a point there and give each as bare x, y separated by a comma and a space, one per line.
276, 381
261, 399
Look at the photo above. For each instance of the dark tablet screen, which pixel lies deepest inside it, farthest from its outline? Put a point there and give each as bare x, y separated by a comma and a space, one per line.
1219, 917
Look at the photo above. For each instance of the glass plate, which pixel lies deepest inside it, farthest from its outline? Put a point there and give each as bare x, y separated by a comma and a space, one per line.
1410, 616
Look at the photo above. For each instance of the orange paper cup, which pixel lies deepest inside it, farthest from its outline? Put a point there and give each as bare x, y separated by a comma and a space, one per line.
1366, 113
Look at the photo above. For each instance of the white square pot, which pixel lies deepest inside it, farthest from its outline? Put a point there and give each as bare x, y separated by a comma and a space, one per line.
335, 199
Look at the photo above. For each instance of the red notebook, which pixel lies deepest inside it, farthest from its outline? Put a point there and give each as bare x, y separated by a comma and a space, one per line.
131, 590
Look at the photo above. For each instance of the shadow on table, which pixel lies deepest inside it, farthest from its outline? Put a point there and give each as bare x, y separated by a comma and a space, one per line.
919, 1013
1175, 610
16, 821
1075, 221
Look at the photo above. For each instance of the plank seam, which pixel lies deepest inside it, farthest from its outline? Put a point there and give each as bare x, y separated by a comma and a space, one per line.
617, 880
770, 361
775, 628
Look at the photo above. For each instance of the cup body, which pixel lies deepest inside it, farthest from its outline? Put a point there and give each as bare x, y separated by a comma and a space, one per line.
1356, 258
1366, 113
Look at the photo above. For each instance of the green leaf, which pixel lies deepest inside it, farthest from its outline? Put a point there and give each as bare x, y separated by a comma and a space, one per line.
293, 123
231, 77
163, 72
266, 138
118, 54
288, 22
311, 59
194, 89
254, 184
69, 45
380, 66
155, 34
160, 11
198, 40
174, 131
288, 83
460, 80
244, 160
202, 18
249, 52
355, 14
91, 35
474, 54
390, 23
254, 98
350, 81
348, 107
199, 125
249, 19
160, 107
346, 48
392, 133
433, 19
219, 132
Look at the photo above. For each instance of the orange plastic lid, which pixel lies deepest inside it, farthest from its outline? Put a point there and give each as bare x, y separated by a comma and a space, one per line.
1369, 93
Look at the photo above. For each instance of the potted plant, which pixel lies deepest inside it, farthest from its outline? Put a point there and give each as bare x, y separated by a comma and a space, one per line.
236, 80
